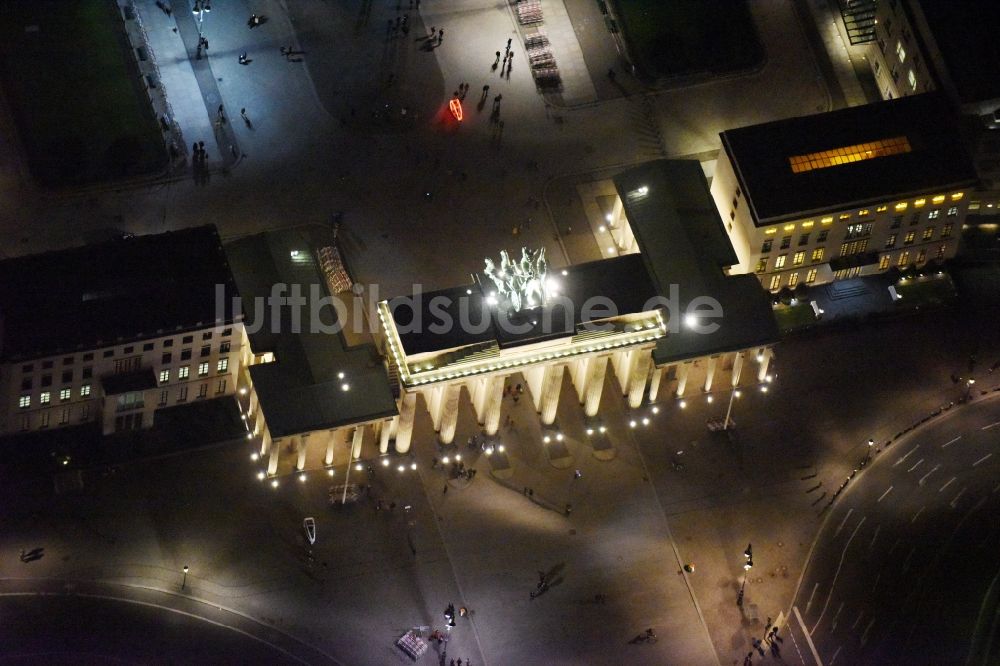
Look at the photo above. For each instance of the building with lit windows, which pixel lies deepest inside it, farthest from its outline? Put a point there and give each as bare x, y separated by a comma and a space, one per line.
846, 193
112, 332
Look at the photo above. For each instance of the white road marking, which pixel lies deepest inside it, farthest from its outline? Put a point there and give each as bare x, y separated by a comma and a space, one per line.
986, 457
893, 549
915, 465
883, 495
992, 425
809, 640
906, 456
954, 502
841, 526
874, 536
833, 583
914, 519
923, 479
877, 579
906, 562
950, 442
947, 484
834, 657
860, 615
833, 622
809, 603
864, 636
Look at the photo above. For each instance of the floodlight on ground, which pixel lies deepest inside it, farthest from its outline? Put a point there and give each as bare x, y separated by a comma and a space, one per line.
329, 472
768, 378
559, 437
645, 420
565, 272
302, 477
385, 462
249, 435
340, 375
760, 358
359, 467
274, 483
611, 250
468, 292
737, 393
602, 228
632, 424
590, 431
261, 476
458, 456
603, 429
763, 388
243, 391
546, 439
709, 398
243, 416
682, 404
489, 450
655, 409
401, 469
500, 448
608, 217
345, 387
254, 456
413, 465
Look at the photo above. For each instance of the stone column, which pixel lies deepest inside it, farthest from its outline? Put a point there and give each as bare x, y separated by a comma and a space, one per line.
331, 437
258, 422
682, 377
710, 372
596, 370
434, 397
385, 433
654, 383
621, 362
578, 373
407, 412
265, 442
477, 389
493, 391
449, 412
300, 448
550, 397
359, 438
640, 372
765, 356
737, 368
536, 383
616, 213
272, 460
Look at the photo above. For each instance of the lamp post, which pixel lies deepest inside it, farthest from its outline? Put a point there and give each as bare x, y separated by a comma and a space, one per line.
200, 8
747, 565
735, 393
185, 579
968, 388
871, 443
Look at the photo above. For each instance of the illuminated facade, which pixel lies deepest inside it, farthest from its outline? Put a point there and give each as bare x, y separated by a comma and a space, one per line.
853, 192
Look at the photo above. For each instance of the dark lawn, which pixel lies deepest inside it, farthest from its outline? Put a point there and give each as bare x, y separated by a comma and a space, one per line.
75, 92
678, 37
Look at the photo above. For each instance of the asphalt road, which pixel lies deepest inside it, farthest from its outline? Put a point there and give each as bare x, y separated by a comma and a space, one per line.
904, 569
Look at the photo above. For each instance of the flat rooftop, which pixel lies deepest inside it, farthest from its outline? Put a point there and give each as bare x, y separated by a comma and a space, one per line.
105, 294
684, 247
303, 389
851, 157
966, 35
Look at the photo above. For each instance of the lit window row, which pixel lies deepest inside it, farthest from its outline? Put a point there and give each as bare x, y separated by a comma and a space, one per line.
847, 154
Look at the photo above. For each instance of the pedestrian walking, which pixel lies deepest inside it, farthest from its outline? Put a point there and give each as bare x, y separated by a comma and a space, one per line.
445, 491
221, 112
509, 40
243, 58
440, 36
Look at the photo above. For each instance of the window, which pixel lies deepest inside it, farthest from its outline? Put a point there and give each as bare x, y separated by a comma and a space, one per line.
182, 372
779, 262
775, 282
24, 401
900, 51
946, 230
224, 347
957, 195
811, 276
67, 360
928, 234
919, 202
786, 241
88, 372
67, 376
46, 380
911, 78
29, 367
85, 412
124, 365
803, 240
822, 236
129, 401
188, 339
915, 219
798, 258
127, 350
108, 353
168, 343
903, 258
908, 239
65, 394
203, 390
897, 221
952, 211
46, 365
163, 398
793, 280
207, 335
64, 416
85, 390
26, 384
883, 263
766, 247
147, 347
854, 247
845, 216
881, 209
934, 214
922, 256
164, 376
202, 369
221, 388
864, 212
890, 242
817, 254
858, 230
89, 356
45, 397
165, 358
222, 365
847, 154
206, 350
44, 422
761, 265
26, 422
226, 332
185, 354
182, 395
940, 252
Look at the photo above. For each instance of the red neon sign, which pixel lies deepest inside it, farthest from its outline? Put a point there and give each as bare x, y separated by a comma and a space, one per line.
455, 105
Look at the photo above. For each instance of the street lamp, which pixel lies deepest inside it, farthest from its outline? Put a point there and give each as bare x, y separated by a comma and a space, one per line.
871, 443
185, 579
200, 8
968, 388
747, 565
